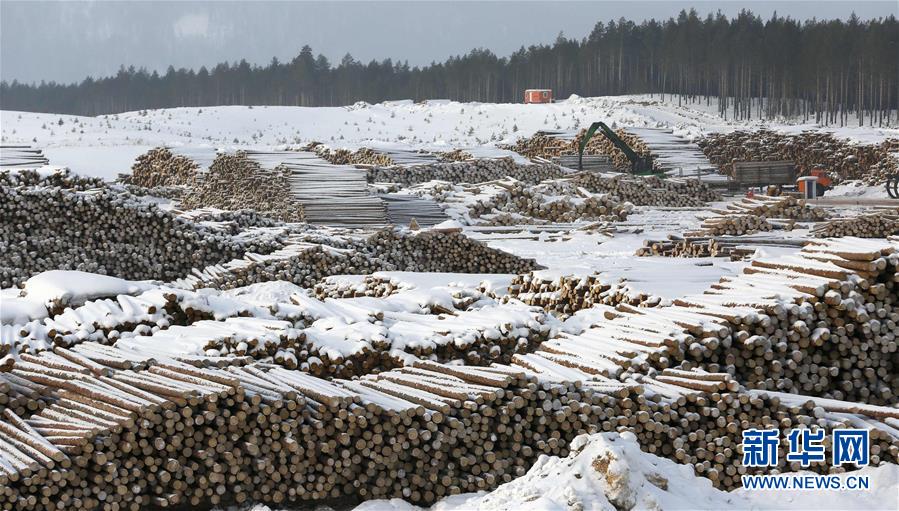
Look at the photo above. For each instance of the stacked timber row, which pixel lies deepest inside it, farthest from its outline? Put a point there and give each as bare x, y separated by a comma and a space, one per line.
556, 201
734, 225
106, 320
159, 167
362, 156
21, 157
204, 329
173, 434
761, 213
469, 171
63, 222
810, 149
372, 286
306, 263
704, 245
192, 436
454, 155
548, 146
236, 182
775, 207
567, 294
873, 225
822, 323
649, 190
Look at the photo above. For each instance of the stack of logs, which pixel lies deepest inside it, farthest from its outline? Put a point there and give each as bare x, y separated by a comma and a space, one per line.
454, 155
547, 147
159, 167
177, 435
871, 225
362, 156
821, 322
761, 213
676, 246
236, 182
734, 225
784, 206
567, 294
810, 149
649, 190
306, 264
49, 225
557, 201
468, 171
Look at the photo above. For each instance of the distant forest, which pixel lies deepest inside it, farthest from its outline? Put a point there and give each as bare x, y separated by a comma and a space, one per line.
833, 71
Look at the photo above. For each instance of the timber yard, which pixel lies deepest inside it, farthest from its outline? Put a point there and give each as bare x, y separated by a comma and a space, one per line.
543, 303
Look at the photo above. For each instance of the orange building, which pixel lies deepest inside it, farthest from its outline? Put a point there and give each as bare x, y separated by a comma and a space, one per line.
538, 96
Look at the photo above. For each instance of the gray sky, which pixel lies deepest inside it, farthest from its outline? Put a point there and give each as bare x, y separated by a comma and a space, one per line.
67, 41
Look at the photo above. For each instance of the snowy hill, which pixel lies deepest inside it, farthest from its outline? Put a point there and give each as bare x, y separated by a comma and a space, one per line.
108, 144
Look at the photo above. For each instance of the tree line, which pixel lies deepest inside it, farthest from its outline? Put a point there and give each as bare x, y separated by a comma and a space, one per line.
832, 71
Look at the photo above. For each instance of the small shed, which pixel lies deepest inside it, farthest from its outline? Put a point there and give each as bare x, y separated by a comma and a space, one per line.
538, 96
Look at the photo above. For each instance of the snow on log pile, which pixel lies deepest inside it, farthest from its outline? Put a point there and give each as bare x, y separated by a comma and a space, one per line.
784, 207
306, 261
843, 161
822, 322
347, 338
548, 145
649, 190
362, 156
418, 433
159, 167
566, 294
237, 182
881, 224
64, 222
469, 171
733, 225
511, 202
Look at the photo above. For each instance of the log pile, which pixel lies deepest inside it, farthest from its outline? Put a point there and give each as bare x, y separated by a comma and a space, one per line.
469, 171
784, 206
454, 155
545, 146
372, 286
558, 201
45, 226
649, 190
734, 225
676, 246
307, 261
362, 156
820, 323
870, 163
192, 436
236, 182
872, 225
173, 434
159, 167
710, 246
567, 294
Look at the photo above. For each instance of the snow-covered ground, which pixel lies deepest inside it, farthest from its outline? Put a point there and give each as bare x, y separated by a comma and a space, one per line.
106, 145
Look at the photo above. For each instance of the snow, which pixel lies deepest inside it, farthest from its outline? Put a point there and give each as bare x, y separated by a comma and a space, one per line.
105, 145
69, 287
16, 311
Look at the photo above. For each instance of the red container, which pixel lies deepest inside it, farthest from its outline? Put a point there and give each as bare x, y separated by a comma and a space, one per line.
538, 96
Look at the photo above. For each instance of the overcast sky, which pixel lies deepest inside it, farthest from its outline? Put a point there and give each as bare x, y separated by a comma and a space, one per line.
67, 41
